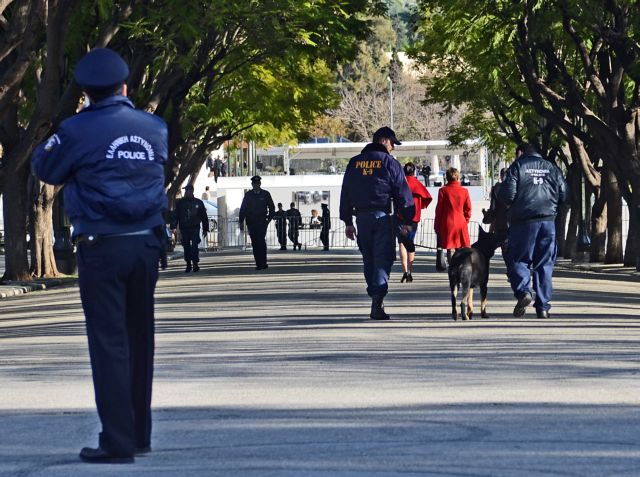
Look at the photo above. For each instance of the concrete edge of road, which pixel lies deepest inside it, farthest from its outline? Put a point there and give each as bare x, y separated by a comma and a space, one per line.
595, 270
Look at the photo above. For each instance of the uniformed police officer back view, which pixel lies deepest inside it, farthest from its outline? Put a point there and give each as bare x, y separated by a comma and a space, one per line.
110, 158
373, 182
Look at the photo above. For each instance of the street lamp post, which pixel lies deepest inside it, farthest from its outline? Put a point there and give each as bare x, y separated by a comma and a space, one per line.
390, 101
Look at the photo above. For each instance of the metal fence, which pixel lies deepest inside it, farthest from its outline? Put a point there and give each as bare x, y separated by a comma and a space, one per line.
225, 233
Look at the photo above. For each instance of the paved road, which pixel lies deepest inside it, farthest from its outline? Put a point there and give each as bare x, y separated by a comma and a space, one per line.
280, 373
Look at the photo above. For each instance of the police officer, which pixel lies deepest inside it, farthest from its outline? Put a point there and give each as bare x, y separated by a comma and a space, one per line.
295, 222
280, 219
373, 181
190, 213
257, 210
326, 226
533, 188
110, 158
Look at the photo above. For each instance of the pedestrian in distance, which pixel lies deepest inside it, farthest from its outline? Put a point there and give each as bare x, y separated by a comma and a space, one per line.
421, 200
374, 182
325, 227
425, 172
205, 194
190, 213
314, 221
533, 188
295, 222
257, 210
110, 157
280, 220
453, 212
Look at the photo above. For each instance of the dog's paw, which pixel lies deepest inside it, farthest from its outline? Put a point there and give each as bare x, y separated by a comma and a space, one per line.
470, 314
454, 316
484, 314
466, 317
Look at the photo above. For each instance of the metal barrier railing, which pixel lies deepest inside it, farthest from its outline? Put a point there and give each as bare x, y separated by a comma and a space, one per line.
225, 233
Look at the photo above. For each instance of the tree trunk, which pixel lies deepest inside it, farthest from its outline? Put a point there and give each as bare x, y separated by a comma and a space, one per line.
561, 227
611, 191
598, 227
573, 177
14, 206
43, 262
632, 249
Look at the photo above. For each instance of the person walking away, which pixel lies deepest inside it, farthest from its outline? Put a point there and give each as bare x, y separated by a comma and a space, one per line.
280, 219
533, 188
496, 216
257, 210
314, 221
421, 200
110, 158
372, 182
205, 194
326, 226
190, 213
295, 222
425, 172
453, 212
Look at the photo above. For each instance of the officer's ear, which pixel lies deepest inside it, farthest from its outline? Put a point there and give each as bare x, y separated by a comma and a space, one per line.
125, 90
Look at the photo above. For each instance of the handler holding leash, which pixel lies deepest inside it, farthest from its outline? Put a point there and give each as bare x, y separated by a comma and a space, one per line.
372, 181
110, 157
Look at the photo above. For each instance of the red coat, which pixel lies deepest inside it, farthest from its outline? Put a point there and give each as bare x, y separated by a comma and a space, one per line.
453, 212
421, 196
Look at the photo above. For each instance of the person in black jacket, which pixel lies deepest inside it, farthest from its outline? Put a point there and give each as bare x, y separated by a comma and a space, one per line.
190, 213
295, 222
257, 210
533, 188
326, 226
280, 219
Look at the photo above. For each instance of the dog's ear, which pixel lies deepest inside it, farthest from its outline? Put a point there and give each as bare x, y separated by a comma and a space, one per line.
481, 232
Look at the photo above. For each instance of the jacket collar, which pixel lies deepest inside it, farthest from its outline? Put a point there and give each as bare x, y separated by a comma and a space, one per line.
374, 146
110, 101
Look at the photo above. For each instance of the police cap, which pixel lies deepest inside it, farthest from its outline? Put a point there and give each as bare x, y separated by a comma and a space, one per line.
386, 132
256, 179
101, 68
188, 187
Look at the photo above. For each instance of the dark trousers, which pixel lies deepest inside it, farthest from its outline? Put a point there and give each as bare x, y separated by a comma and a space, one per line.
293, 235
190, 239
324, 237
257, 233
532, 250
117, 277
282, 236
377, 245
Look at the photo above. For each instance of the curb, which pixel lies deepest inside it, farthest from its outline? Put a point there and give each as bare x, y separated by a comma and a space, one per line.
7, 291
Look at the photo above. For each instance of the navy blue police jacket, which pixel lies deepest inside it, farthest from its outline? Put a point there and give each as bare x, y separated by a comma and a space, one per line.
374, 180
533, 188
110, 158
257, 207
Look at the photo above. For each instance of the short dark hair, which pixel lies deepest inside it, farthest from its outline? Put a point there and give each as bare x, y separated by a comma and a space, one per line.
409, 169
525, 148
97, 95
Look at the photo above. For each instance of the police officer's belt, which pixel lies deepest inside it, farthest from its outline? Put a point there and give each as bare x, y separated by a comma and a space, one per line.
360, 210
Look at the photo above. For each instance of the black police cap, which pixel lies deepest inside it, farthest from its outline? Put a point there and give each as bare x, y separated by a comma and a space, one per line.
256, 179
386, 132
101, 68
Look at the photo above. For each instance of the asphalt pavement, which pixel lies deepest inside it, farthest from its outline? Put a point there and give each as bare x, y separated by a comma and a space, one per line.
281, 373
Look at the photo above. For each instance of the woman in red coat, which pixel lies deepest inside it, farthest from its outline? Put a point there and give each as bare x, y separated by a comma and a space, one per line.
421, 199
453, 212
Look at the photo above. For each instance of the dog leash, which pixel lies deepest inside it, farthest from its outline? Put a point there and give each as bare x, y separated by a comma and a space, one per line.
425, 246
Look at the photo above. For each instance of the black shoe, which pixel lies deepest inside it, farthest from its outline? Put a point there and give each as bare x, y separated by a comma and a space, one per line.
283, 248
523, 302
188, 269
262, 267
326, 249
405, 278
377, 309
196, 268
101, 456
542, 314
409, 277
143, 450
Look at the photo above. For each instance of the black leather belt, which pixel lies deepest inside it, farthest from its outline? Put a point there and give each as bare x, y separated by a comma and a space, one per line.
361, 210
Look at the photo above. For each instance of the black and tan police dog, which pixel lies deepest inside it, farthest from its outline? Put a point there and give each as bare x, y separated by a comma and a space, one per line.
469, 268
